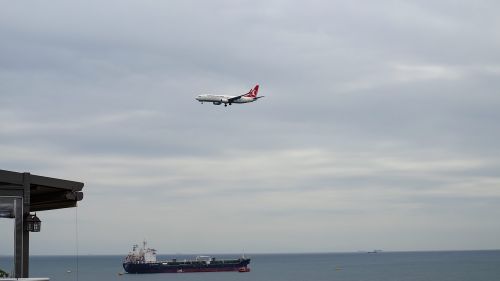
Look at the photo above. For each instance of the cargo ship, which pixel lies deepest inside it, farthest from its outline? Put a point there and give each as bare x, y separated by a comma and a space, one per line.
143, 260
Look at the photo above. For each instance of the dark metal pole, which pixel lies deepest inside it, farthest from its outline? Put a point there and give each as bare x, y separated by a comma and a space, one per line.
18, 237
26, 234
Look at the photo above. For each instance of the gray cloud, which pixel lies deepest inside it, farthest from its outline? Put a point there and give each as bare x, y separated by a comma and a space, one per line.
379, 122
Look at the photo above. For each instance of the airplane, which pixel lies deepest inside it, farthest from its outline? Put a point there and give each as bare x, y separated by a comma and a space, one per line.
222, 99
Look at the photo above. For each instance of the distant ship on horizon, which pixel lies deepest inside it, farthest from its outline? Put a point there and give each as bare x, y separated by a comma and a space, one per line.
143, 260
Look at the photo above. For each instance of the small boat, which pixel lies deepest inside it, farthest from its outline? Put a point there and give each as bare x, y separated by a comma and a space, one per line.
244, 269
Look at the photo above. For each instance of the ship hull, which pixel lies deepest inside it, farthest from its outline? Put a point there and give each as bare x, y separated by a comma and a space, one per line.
240, 265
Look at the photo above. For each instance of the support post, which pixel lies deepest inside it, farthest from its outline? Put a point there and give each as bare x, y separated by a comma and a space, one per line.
18, 237
26, 233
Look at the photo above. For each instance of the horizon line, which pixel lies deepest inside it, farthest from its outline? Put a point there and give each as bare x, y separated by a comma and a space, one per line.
278, 253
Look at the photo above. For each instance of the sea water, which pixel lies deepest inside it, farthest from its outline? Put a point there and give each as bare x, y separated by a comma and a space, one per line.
382, 266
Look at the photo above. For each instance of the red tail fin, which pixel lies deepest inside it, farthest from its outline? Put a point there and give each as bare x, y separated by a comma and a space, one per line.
253, 92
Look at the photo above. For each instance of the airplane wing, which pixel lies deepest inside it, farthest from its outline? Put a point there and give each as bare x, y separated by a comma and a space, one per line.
235, 98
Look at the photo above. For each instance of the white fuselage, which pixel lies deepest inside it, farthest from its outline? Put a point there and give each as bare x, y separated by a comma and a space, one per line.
220, 99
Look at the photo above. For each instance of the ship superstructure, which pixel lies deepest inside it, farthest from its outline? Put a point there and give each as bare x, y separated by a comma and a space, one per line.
141, 254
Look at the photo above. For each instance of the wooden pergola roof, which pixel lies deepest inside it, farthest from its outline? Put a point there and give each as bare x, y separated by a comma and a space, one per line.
44, 193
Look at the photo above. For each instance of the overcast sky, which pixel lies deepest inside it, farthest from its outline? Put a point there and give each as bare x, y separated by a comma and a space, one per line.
379, 128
